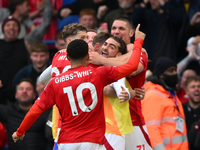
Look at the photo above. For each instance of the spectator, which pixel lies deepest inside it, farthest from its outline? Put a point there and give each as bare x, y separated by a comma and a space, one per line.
88, 18
39, 56
13, 114
60, 43
162, 110
101, 7
3, 137
4, 3
161, 23
39, 87
193, 62
13, 51
192, 107
19, 10
185, 70
36, 12
91, 34
194, 136
190, 11
125, 9
182, 94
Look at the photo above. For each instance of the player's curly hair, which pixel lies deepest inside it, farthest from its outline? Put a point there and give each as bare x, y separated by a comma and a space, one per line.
77, 49
71, 30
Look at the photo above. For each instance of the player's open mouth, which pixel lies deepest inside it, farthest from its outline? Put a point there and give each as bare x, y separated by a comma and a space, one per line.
104, 54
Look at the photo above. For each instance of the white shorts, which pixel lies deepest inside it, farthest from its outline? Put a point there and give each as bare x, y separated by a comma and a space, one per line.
81, 146
138, 139
85, 146
116, 141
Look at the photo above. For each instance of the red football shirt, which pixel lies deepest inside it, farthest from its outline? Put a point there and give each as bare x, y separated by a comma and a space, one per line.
78, 93
137, 82
82, 120
60, 63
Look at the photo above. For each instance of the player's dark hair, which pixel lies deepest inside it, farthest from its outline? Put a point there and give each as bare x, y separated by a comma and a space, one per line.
101, 38
127, 20
77, 49
71, 30
122, 48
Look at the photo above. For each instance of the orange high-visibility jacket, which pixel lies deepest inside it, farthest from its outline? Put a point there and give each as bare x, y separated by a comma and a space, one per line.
160, 112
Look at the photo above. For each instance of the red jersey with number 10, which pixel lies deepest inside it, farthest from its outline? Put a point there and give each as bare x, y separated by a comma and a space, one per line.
78, 95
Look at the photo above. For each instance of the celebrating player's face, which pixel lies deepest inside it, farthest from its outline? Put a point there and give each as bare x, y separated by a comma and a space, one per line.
120, 29
110, 48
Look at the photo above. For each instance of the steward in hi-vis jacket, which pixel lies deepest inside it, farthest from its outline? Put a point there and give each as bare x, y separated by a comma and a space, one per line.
162, 110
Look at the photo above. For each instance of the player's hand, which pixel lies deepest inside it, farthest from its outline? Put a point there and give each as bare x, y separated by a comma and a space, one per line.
139, 93
16, 138
138, 33
124, 95
95, 58
91, 48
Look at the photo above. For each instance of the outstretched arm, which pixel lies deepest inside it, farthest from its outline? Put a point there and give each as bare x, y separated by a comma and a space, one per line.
192, 47
29, 119
39, 31
132, 64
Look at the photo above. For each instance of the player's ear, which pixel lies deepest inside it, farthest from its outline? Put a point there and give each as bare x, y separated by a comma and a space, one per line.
131, 33
87, 57
68, 40
118, 54
68, 57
